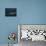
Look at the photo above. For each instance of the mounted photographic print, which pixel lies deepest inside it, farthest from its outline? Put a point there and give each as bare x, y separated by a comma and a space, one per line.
10, 12
32, 32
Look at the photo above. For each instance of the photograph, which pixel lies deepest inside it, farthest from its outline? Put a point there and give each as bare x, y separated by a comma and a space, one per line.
10, 12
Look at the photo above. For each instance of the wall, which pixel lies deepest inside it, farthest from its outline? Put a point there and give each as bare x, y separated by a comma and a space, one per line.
28, 12
7, 24
33, 12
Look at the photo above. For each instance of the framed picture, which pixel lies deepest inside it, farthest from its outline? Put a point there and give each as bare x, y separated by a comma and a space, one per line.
10, 11
33, 32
